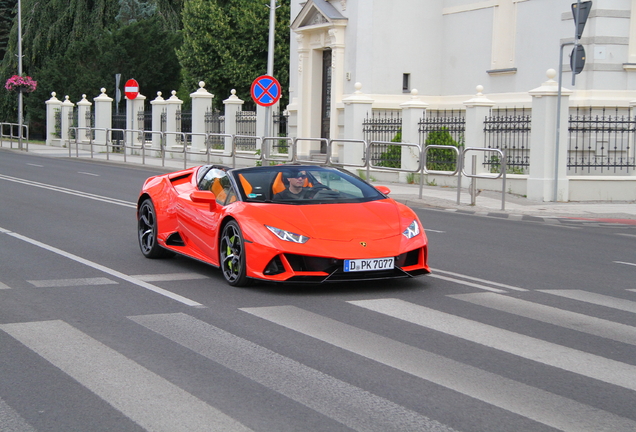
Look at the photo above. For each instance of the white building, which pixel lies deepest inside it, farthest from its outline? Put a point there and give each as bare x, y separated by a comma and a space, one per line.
445, 48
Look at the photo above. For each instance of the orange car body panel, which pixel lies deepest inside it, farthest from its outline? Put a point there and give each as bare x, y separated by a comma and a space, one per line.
336, 231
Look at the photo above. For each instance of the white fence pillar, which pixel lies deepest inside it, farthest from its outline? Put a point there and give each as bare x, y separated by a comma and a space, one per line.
543, 152
412, 112
133, 106
477, 109
201, 104
232, 105
357, 107
67, 116
83, 111
103, 116
158, 107
52, 106
173, 104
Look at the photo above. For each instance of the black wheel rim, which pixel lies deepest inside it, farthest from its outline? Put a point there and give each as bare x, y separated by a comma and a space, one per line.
232, 253
146, 228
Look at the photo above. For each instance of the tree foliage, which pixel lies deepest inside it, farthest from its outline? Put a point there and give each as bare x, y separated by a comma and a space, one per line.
7, 13
75, 47
442, 159
132, 11
225, 44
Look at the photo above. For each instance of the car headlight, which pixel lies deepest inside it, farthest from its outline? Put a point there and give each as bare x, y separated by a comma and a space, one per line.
288, 236
412, 230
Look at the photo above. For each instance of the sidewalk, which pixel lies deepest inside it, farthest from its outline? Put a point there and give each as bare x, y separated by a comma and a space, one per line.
487, 202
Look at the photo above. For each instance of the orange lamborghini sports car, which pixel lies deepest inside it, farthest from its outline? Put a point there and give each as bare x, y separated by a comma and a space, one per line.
285, 223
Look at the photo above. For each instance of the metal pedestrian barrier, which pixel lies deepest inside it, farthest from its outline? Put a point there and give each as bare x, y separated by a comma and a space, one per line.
279, 150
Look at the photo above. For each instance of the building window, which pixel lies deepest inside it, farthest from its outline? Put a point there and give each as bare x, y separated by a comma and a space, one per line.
406, 83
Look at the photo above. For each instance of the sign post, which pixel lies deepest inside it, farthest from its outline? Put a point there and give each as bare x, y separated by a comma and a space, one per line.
580, 13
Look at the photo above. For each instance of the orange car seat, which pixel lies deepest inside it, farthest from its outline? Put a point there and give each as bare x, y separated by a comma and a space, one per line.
247, 187
218, 191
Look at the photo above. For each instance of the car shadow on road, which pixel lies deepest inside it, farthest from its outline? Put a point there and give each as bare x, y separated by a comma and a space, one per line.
343, 288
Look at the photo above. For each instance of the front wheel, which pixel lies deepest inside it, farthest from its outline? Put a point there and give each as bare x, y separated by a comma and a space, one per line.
147, 232
232, 255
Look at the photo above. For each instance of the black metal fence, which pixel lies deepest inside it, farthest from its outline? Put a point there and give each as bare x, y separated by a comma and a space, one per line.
117, 137
184, 124
442, 127
384, 126
214, 123
144, 123
508, 130
246, 125
602, 140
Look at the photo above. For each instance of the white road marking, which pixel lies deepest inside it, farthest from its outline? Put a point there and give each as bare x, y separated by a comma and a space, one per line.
11, 421
89, 174
69, 191
548, 353
510, 287
35, 165
539, 405
3, 286
149, 400
597, 299
347, 404
169, 277
551, 315
626, 263
104, 269
461, 282
47, 283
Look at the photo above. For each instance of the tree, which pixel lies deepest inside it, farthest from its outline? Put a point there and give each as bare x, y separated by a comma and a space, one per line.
77, 47
225, 44
132, 11
7, 13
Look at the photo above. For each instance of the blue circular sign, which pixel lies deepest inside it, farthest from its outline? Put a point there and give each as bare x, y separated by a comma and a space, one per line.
266, 90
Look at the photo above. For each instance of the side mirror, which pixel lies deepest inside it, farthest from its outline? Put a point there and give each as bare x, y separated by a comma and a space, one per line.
383, 189
204, 197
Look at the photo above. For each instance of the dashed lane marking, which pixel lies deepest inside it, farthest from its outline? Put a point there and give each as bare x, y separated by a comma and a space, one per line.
48, 283
104, 269
169, 277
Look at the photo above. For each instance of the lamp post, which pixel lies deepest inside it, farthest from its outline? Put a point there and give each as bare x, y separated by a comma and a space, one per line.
20, 108
270, 55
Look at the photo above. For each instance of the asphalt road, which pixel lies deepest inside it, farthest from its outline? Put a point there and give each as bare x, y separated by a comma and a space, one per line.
523, 326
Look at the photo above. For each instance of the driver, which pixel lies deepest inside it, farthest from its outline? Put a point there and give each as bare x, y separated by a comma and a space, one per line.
295, 187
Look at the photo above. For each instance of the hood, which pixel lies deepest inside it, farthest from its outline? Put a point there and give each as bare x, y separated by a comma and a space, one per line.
340, 222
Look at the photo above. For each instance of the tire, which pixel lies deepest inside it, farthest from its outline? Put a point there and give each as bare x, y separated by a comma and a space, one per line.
147, 232
232, 255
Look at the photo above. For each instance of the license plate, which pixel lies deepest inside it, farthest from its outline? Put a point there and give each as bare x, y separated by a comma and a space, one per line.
372, 264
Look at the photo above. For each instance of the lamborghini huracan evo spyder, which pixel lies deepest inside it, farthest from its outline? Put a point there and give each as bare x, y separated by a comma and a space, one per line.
253, 225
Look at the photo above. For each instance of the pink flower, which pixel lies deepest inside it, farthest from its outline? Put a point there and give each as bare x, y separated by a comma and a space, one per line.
24, 83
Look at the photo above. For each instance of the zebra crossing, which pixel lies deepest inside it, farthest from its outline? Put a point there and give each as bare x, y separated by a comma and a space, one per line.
156, 403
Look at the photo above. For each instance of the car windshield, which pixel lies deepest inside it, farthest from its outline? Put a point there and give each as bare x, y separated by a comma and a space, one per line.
301, 184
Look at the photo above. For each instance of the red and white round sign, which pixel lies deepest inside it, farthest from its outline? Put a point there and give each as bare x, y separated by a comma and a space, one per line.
131, 89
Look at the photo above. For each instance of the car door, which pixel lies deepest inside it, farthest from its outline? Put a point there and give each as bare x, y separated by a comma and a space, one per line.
199, 214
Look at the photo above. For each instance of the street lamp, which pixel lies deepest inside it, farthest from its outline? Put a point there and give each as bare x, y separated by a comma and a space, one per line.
20, 109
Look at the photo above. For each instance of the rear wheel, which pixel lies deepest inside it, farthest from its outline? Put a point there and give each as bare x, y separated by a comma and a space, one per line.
147, 232
232, 255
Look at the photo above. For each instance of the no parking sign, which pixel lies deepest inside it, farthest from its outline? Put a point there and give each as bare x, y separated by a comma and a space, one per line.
266, 90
